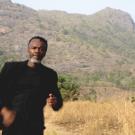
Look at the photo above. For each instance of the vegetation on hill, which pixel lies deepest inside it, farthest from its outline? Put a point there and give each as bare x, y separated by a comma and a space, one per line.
92, 49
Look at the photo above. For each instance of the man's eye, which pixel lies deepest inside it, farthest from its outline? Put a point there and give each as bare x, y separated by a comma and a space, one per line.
33, 48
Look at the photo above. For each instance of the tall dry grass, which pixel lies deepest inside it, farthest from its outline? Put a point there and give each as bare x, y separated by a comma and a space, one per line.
87, 118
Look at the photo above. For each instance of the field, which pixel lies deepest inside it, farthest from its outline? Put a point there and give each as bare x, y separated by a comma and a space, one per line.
92, 118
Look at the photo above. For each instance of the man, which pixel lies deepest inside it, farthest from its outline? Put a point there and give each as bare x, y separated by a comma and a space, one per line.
25, 87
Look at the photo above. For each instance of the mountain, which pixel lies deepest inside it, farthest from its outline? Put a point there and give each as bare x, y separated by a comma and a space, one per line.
5, 1
104, 41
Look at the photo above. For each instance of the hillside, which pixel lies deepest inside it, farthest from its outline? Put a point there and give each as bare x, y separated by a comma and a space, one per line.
98, 49
84, 42
105, 39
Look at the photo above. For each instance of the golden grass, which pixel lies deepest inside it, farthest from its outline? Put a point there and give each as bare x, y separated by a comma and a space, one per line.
88, 118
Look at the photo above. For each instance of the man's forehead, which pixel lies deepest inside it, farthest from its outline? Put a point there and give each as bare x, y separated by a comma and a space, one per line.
36, 42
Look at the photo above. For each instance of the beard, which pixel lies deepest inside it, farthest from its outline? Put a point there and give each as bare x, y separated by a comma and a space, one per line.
34, 59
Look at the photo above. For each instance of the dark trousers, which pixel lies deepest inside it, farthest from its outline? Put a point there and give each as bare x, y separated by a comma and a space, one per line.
18, 128
20, 131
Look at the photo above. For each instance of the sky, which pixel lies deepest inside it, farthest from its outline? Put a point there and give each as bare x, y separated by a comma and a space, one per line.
80, 6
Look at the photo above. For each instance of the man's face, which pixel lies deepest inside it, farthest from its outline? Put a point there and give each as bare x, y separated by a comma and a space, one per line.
36, 50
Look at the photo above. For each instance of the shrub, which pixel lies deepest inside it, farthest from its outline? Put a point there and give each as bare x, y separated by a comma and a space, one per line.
68, 87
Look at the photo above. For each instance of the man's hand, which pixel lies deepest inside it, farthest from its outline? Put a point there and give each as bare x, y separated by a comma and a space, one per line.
51, 100
8, 116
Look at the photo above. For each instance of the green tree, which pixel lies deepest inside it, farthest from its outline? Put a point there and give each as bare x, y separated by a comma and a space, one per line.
68, 87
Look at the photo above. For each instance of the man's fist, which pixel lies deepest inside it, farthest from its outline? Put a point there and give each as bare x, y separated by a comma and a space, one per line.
51, 100
8, 116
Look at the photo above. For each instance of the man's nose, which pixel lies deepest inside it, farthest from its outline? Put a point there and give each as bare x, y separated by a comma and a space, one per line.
37, 50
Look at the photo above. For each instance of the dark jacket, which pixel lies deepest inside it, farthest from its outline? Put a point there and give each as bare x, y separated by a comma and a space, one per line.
25, 90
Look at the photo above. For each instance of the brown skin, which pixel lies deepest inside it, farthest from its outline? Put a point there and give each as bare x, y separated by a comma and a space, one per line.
8, 116
51, 100
35, 48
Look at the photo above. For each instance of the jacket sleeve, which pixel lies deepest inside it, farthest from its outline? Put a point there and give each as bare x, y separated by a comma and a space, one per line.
3, 73
55, 91
3, 79
8, 96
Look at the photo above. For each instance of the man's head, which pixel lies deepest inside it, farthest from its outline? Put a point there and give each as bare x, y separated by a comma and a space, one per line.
37, 47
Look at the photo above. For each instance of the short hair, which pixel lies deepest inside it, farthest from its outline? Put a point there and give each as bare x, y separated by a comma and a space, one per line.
41, 39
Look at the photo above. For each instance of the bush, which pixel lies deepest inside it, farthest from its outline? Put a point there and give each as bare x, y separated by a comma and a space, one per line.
68, 87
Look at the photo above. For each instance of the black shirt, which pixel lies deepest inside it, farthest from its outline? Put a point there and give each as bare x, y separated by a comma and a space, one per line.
26, 89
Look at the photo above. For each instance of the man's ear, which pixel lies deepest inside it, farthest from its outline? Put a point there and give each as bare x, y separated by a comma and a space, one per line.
44, 54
